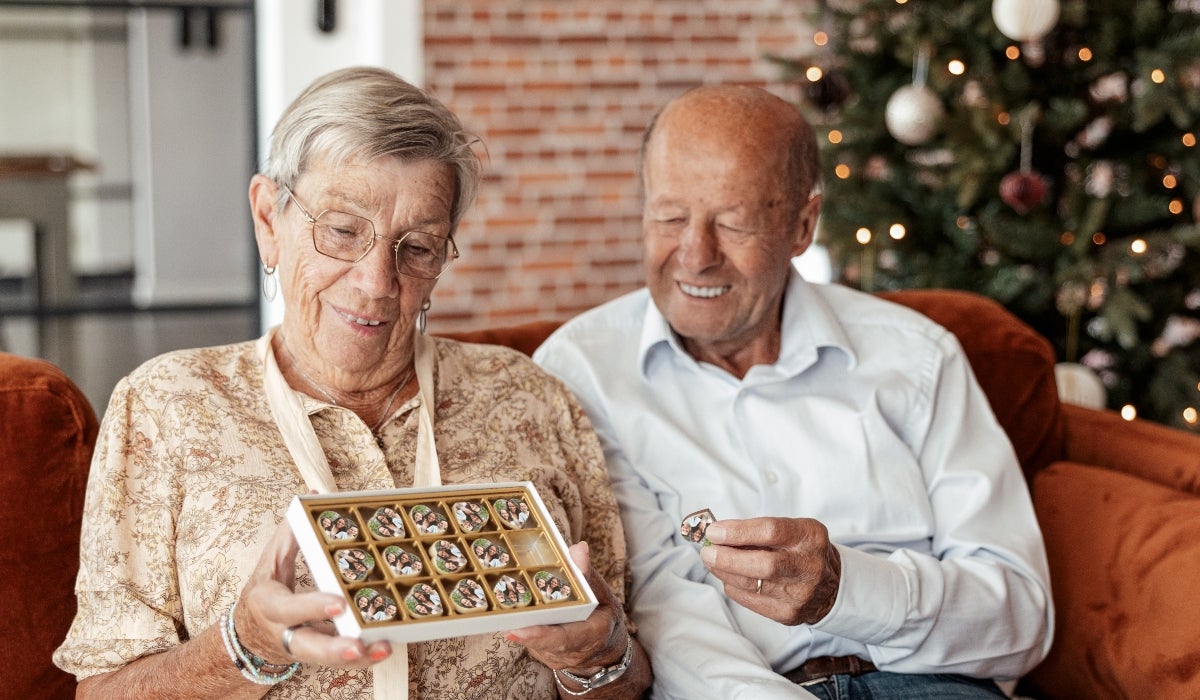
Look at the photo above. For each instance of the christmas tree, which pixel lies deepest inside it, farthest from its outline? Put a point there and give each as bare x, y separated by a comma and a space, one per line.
1042, 154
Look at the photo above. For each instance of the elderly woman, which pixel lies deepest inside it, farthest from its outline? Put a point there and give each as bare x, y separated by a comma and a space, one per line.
191, 586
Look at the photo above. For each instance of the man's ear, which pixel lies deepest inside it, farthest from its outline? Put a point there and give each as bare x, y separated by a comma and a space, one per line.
263, 195
806, 225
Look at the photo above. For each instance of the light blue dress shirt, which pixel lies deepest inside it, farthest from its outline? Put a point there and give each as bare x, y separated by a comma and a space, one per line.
871, 421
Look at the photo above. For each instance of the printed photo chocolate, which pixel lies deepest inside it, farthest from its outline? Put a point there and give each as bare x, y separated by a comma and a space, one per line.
419, 564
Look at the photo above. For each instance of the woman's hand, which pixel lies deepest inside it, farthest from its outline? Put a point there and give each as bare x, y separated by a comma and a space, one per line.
782, 568
586, 647
269, 605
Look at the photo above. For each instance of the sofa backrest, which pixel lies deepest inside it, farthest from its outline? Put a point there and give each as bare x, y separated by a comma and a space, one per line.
47, 433
1013, 363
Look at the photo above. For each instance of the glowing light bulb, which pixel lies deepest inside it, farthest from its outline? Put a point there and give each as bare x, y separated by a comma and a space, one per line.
863, 235
1175, 207
1190, 416
897, 231
1085, 54
1128, 411
1138, 246
1012, 53
842, 171
956, 67
1169, 181
834, 136
814, 73
820, 38
1158, 76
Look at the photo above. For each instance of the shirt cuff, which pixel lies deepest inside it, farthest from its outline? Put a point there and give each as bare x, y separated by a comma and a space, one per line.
871, 601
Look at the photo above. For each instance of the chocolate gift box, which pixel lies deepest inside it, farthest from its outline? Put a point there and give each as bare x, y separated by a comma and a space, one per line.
427, 563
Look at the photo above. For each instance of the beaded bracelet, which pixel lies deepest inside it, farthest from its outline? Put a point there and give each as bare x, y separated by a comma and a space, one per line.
253, 668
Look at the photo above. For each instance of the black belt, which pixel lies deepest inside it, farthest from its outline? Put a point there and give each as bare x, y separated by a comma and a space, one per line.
822, 667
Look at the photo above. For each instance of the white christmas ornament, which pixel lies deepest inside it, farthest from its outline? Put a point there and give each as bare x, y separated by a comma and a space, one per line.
913, 114
1025, 20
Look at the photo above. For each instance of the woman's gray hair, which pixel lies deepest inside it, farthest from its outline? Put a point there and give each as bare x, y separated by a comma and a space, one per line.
363, 113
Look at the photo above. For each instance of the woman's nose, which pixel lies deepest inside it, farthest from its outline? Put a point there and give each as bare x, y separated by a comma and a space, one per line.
377, 270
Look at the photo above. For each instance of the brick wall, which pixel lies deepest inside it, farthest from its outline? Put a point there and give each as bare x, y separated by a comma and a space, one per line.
560, 92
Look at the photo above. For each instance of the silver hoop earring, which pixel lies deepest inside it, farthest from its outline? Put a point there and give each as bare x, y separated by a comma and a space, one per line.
270, 283
421, 316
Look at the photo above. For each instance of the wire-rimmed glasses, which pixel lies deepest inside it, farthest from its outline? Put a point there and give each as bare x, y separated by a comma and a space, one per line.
349, 237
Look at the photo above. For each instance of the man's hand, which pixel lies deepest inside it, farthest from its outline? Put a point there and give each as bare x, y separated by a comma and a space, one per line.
799, 568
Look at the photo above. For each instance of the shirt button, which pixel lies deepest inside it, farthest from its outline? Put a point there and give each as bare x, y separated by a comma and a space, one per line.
772, 477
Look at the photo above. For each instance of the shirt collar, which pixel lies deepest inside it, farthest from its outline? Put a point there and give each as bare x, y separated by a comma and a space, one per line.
809, 324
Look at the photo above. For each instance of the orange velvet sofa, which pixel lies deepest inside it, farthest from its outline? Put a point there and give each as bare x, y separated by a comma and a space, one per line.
1118, 502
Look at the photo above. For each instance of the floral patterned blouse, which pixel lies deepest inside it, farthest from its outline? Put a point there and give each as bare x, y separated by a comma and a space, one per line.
191, 475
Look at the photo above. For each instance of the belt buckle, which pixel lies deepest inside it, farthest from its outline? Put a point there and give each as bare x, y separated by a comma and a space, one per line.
814, 681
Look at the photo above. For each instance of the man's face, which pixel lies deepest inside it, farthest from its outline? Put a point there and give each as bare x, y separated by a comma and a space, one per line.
720, 229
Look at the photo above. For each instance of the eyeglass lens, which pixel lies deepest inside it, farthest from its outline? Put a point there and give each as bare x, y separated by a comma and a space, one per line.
349, 237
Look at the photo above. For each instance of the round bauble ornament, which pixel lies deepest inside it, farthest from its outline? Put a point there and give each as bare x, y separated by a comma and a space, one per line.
913, 114
1025, 20
1023, 191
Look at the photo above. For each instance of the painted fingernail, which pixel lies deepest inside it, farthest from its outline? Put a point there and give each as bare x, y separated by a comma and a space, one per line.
379, 654
351, 654
333, 609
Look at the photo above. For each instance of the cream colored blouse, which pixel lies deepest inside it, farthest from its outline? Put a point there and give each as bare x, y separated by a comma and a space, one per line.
191, 474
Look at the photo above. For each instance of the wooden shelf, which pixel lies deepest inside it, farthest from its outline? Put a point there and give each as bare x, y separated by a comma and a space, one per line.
41, 165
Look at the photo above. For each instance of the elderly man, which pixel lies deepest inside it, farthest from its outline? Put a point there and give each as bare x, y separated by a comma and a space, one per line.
874, 536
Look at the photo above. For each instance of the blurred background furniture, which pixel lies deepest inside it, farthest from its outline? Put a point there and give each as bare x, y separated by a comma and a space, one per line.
1118, 502
35, 188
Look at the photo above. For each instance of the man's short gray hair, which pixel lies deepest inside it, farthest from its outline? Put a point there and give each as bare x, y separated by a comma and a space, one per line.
363, 113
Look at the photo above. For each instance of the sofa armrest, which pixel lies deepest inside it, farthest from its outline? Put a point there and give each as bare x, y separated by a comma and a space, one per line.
1156, 453
46, 442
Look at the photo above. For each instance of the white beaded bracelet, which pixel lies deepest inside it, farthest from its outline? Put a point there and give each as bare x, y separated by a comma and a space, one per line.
253, 668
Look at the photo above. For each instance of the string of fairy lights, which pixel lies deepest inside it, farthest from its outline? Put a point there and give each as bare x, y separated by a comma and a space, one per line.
914, 114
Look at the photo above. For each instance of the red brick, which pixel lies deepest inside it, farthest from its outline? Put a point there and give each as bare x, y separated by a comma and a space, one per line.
562, 93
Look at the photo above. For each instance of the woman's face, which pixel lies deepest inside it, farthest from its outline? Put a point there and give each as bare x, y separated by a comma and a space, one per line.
353, 321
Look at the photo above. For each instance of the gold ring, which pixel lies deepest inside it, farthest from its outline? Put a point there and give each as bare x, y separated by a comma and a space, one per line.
758, 588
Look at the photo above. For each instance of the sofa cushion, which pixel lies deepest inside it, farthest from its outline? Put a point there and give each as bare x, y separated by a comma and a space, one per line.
49, 430
1013, 363
525, 337
1123, 555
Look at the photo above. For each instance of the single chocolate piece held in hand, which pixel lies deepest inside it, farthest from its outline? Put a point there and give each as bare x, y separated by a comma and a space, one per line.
693, 526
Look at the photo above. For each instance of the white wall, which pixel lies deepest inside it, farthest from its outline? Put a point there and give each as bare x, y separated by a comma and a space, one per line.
292, 52
191, 140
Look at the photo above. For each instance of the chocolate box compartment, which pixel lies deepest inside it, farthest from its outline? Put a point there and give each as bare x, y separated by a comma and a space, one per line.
534, 545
